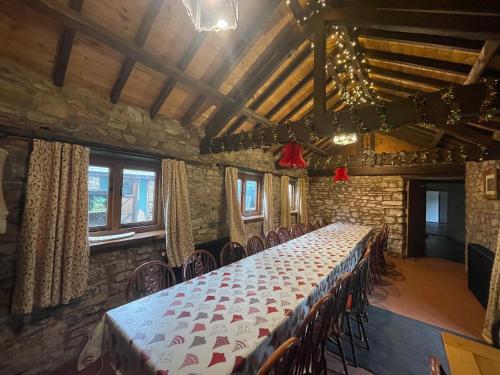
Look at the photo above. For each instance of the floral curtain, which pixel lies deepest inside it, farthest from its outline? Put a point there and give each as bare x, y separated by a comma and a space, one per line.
178, 230
285, 220
268, 202
493, 309
53, 258
234, 218
302, 200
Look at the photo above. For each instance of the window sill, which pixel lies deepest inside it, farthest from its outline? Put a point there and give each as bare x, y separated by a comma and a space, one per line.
136, 238
251, 219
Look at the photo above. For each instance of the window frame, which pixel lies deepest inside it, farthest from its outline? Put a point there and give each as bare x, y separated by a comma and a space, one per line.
244, 177
116, 164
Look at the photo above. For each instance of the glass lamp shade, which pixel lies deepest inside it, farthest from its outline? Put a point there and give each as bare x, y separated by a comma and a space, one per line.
291, 156
345, 139
340, 174
213, 15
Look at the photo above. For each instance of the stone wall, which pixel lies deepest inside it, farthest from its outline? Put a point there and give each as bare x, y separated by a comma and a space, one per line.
482, 216
45, 340
362, 200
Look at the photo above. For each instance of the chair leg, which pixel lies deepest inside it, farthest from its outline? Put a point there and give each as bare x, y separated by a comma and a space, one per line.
363, 332
351, 338
342, 354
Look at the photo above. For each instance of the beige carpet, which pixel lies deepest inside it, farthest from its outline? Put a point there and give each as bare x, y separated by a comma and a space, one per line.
433, 291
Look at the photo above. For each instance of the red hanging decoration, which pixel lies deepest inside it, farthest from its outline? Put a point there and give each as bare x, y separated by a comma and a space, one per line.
341, 174
291, 156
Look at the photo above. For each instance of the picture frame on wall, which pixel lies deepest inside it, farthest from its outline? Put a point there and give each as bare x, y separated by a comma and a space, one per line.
491, 184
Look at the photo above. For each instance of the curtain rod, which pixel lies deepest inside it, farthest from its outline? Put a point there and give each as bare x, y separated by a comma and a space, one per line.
30, 134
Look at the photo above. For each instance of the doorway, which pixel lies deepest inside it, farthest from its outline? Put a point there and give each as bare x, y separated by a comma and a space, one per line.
436, 219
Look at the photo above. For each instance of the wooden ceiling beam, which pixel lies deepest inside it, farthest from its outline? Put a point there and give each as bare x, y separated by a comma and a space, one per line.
248, 37
422, 39
430, 6
288, 39
64, 48
139, 39
437, 138
182, 65
485, 55
418, 61
80, 23
491, 126
409, 77
405, 92
474, 26
270, 90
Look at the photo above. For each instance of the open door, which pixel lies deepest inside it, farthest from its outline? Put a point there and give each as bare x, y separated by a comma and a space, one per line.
416, 219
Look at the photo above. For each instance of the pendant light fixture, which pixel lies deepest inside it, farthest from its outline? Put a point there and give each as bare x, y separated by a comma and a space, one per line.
212, 15
345, 139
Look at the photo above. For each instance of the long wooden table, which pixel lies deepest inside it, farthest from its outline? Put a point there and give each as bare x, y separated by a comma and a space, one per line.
468, 357
230, 320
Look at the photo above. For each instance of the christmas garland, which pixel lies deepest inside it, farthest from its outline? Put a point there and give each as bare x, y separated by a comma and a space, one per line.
421, 108
450, 97
486, 111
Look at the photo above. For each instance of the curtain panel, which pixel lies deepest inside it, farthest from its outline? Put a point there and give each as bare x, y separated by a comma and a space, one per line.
53, 258
235, 223
285, 219
178, 230
302, 200
268, 203
493, 309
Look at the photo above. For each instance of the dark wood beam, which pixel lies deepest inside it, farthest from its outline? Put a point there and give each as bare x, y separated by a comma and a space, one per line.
64, 48
69, 18
393, 87
271, 88
471, 135
288, 39
248, 36
441, 169
491, 126
430, 6
195, 45
437, 138
452, 24
315, 149
140, 38
485, 55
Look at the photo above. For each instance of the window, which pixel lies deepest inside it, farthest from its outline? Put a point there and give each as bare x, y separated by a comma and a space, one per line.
293, 196
123, 194
249, 193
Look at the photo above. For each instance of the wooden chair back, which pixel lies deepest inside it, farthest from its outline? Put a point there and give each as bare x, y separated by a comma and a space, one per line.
232, 252
309, 228
324, 223
435, 366
255, 245
313, 334
340, 292
316, 224
296, 231
272, 239
360, 276
282, 359
283, 234
197, 264
303, 228
149, 278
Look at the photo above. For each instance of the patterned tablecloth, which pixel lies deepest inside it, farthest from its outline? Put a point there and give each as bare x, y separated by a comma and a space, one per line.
230, 320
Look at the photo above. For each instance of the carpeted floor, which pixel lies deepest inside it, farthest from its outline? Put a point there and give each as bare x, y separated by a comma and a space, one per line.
398, 345
433, 291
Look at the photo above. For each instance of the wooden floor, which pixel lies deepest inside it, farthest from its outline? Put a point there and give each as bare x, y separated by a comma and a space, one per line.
433, 291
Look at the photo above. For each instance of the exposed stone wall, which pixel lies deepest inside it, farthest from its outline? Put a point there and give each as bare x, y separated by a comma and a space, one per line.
482, 216
47, 339
362, 200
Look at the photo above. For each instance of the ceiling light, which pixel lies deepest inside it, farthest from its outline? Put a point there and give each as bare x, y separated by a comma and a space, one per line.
212, 15
345, 139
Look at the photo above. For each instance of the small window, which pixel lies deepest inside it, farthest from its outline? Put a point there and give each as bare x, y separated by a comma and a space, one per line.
293, 196
123, 195
249, 193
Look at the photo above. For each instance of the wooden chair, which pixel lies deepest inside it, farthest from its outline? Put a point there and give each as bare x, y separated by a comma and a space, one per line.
324, 223
282, 359
255, 245
272, 239
232, 252
316, 224
296, 231
435, 366
149, 278
313, 334
340, 292
303, 227
197, 264
283, 234
357, 303
309, 228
